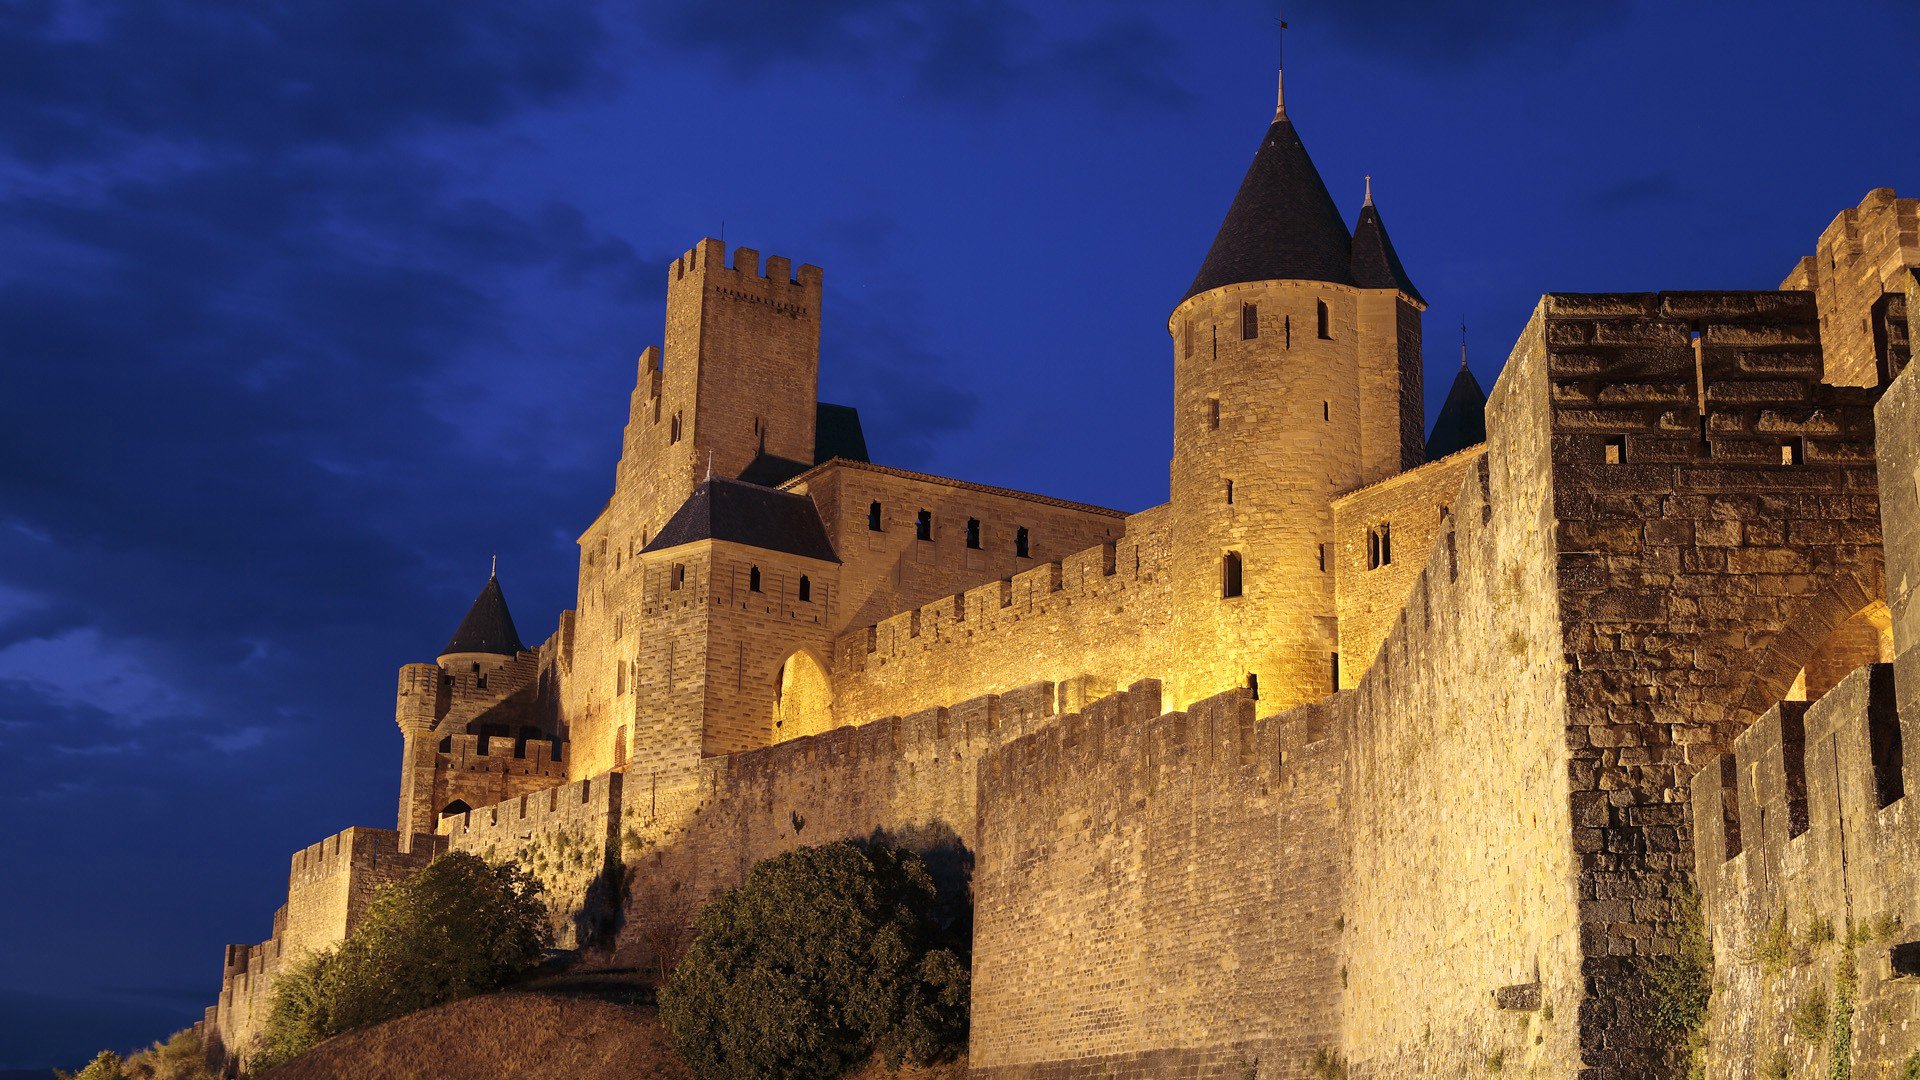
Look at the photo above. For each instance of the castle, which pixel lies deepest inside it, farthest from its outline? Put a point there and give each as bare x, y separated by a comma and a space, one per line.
1407, 755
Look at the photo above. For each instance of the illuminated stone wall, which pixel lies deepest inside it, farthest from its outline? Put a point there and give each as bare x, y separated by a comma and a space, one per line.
1865, 255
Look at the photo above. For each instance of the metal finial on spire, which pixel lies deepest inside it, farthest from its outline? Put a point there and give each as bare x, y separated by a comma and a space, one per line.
493, 571
709, 464
1463, 344
1280, 85
1369, 201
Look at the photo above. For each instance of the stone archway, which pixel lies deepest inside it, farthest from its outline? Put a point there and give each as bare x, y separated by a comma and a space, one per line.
1864, 638
802, 698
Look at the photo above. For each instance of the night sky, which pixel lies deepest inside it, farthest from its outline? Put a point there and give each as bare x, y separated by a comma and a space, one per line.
307, 308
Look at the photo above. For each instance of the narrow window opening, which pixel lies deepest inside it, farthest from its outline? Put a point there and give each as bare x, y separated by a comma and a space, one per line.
753, 579
679, 575
1249, 321
1216, 342
1335, 665
1326, 411
1373, 549
1213, 414
1616, 450
1230, 572
1793, 451
446, 745
1020, 543
1883, 735
973, 533
1229, 493
1186, 345
923, 525
1253, 685
1286, 326
873, 517
1326, 329
1386, 544
806, 590
673, 429
1323, 558
1730, 804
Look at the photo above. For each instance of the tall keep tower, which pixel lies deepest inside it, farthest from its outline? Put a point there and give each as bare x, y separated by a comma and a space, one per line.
735, 390
1296, 378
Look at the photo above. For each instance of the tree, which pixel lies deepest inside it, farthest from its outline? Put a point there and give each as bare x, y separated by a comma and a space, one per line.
458, 927
825, 957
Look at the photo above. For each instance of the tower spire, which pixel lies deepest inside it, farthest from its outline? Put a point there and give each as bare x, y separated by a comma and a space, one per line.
493, 570
1280, 82
1463, 344
1369, 201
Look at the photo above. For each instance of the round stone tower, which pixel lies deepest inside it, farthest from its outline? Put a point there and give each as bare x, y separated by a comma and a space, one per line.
1296, 379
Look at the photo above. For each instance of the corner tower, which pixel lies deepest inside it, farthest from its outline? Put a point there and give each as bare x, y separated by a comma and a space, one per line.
1296, 378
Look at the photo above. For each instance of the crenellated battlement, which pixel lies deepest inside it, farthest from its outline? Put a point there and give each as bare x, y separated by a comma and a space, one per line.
528, 755
707, 260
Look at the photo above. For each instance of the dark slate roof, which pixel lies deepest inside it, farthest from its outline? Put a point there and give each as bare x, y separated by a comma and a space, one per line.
771, 470
1463, 418
1282, 225
488, 628
744, 513
1375, 265
837, 433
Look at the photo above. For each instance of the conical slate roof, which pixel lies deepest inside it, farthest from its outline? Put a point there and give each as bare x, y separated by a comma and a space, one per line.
1375, 265
746, 513
1463, 418
487, 628
1282, 225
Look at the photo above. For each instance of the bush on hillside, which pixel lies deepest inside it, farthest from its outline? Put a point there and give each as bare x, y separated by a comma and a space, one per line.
825, 957
181, 1057
460, 926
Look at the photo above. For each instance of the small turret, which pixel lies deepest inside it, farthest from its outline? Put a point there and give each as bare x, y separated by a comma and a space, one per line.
1375, 264
1463, 417
486, 636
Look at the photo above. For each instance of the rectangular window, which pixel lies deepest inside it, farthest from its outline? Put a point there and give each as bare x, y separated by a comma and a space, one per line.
1230, 572
1616, 450
1326, 322
1335, 665
1213, 414
1249, 321
1883, 737
1020, 543
923, 526
973, 533
1793, 754
1323, 558
1793, 451
1730, 805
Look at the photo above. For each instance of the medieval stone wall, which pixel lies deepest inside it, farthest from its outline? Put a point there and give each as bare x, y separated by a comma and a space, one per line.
1100, 614
887, 570
1864, 255
1382, 535
1805, 844
568, 838
1213, 829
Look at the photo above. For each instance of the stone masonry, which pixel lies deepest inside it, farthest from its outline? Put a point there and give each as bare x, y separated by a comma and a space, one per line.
1339, 762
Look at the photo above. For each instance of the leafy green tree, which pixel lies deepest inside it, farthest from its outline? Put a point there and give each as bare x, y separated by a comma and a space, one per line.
458, 927
105, 1066
825, 957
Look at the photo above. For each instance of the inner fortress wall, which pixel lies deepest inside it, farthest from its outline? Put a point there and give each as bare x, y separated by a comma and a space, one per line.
1099, 615
1382, 535
887, 570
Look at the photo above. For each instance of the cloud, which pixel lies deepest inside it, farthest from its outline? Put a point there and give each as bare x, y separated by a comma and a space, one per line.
1459, 35
976, 52
79, 79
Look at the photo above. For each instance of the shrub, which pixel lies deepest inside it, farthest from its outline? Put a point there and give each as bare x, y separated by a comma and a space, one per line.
1812, 1016
456, 928
825, 957
180, 1057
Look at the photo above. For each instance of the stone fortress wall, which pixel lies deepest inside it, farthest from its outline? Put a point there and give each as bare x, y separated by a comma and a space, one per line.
1469, 860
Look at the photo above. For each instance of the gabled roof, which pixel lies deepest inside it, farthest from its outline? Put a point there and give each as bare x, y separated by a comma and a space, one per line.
744, 513
1375, 264
488, 628
1282, 225
1463, 418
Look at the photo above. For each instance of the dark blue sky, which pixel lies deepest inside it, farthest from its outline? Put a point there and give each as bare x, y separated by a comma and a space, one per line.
307, 307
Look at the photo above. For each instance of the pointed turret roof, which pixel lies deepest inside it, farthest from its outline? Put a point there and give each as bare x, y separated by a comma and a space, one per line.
488, 628
1282, 225
1375, 264
1463, 418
